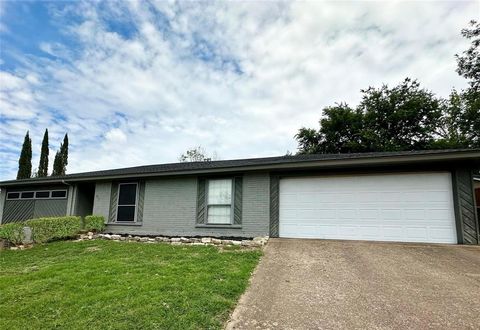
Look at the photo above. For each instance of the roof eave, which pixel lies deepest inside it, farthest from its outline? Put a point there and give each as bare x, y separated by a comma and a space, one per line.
305, 164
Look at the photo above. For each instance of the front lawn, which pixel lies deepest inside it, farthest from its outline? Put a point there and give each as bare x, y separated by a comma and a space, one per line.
107, 284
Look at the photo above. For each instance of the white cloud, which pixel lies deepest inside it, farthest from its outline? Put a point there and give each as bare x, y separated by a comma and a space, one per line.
173, 82
115, 136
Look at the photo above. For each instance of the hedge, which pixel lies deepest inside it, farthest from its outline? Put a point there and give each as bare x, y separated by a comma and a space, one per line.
47, 229
12, 232
94, 223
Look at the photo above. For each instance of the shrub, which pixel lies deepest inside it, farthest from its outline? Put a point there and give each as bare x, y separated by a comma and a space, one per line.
47, 229
94, 223
12, 232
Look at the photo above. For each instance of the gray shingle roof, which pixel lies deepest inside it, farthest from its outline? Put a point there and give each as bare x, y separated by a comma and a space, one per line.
187, 167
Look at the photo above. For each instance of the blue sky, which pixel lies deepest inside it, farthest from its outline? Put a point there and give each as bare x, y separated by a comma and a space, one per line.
140, 82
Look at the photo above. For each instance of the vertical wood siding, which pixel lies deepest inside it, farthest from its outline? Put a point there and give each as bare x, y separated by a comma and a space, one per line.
18, 210
22, 210
50, 208
237, 203
274, 205
465, 209
113, 203
201, 201
141, 200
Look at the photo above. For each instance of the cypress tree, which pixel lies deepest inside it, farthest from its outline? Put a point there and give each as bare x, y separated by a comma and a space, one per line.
61, 159
64, 153
25, 160
43, 164
57, 164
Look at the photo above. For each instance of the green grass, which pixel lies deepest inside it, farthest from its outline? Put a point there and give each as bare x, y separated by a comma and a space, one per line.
120, 285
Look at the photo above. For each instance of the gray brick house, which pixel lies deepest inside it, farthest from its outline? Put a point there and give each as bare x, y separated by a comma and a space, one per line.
418, 196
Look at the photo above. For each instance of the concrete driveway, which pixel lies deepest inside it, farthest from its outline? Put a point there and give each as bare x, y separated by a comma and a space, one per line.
320, 284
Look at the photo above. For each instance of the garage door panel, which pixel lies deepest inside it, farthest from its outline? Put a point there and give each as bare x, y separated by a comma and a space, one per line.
441, 234
414, 214
392, 232
439, 215
402, 207
391, 214
369, 232
368, 213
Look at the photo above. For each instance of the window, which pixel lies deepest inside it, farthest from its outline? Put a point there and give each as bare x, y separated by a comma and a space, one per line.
59, 193
13, 195
219, 201
42, 194
27, 194
127, 202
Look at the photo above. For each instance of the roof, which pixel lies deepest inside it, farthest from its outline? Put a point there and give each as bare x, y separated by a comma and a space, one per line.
267, 163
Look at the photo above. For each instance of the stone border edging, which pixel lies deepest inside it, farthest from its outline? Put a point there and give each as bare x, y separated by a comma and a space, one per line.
255, 242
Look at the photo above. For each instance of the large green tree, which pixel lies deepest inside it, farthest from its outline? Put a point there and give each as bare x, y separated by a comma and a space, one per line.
61, 159
400, 118
404, 117
468, 64
459, 126
43, 163
25, 160
341, 131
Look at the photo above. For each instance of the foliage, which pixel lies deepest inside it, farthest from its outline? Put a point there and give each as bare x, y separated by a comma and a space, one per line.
61, 159
12, 232
94, 223
459, 126
25, 160
47, 229
43, 164
400, 118
197, 154
468, 64
110, 285
405, 117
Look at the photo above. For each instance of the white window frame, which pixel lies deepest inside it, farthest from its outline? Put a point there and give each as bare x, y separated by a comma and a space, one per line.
135, 205
232, 199
21, 193
14, 192
35, 194
49, 194
65, 190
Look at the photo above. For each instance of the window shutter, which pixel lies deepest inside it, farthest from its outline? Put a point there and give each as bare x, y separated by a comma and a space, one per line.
113, 203
237, 203
201, 202
141, 199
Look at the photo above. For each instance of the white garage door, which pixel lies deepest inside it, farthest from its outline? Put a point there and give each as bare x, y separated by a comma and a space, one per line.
398, 207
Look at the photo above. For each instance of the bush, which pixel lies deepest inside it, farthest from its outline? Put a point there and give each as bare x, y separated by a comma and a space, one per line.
12, 232
47, 229
94, 223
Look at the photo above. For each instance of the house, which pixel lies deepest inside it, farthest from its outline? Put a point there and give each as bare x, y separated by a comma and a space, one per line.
417, 196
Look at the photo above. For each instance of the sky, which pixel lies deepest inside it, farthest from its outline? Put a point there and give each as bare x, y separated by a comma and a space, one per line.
135, 83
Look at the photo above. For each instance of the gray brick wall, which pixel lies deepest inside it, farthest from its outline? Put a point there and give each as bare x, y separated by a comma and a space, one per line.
101, 202
170, 208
